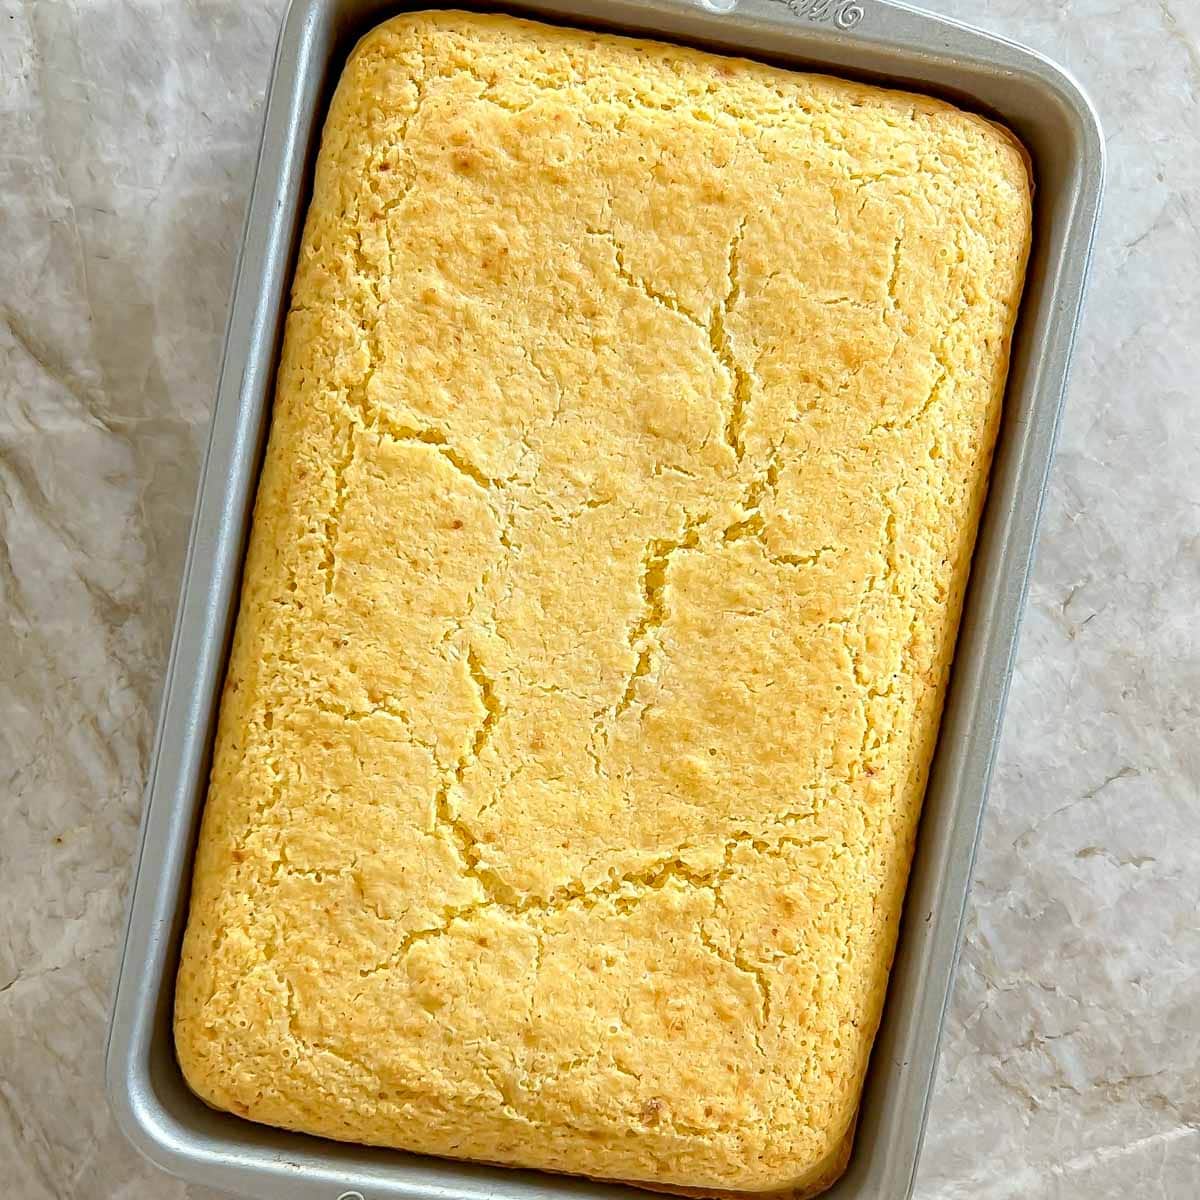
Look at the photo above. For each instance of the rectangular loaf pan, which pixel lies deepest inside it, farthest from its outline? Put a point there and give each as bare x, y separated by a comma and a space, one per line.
870, 39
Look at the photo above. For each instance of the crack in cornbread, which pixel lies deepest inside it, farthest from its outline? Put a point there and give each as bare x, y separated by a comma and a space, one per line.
631, 431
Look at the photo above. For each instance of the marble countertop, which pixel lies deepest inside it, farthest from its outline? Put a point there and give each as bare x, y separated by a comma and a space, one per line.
128, 130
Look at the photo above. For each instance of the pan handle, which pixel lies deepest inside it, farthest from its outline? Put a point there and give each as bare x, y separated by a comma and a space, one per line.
905, 30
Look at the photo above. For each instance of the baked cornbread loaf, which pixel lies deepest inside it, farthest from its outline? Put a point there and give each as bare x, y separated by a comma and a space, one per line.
631, 432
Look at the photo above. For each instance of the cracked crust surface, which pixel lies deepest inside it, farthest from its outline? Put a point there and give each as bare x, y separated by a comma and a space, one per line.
631, 432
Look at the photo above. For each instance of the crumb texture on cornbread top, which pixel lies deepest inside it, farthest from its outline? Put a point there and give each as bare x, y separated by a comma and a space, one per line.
631, 432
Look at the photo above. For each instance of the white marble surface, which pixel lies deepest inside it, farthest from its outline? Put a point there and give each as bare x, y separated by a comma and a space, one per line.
1072, 1056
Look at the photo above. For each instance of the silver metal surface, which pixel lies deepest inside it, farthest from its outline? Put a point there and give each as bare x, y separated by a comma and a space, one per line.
871, 39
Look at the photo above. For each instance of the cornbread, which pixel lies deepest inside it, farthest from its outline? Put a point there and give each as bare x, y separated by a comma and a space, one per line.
631, 432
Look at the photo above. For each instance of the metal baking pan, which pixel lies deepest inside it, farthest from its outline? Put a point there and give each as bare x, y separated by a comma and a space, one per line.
871, 39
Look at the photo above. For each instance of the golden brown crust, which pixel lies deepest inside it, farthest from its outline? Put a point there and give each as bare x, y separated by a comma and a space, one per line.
818, 1179
631, 431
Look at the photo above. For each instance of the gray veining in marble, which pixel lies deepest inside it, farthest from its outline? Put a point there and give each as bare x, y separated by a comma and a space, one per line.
1072, 1056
